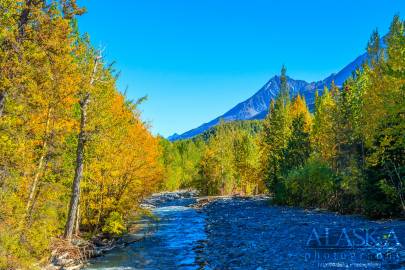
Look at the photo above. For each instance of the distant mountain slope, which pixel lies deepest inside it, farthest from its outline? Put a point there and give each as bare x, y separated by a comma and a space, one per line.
251, 126
256, 107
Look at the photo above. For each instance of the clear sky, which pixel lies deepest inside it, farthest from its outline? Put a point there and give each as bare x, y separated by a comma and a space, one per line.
195, 59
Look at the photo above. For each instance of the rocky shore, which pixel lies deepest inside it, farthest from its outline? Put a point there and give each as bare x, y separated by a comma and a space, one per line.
75, 255
233, 232
240, 229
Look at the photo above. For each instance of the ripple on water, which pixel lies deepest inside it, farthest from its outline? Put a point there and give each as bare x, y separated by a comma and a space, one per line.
172, 208
234, 234
171, 246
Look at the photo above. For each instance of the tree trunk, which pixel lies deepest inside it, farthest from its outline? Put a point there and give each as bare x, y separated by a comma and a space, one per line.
35, 181
2, 102
24, 16
23, 20
74, 200
39, 167
77, 225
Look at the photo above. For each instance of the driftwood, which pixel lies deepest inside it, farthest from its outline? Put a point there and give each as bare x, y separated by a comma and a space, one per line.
70, 254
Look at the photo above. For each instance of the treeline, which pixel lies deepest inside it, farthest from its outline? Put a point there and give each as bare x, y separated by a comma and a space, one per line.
352, 158
75, 157
223, 160
348, 155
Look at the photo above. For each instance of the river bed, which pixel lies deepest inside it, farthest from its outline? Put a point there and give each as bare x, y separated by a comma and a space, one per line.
240, 233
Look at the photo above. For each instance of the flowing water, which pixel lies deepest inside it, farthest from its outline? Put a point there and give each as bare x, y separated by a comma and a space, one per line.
246, 234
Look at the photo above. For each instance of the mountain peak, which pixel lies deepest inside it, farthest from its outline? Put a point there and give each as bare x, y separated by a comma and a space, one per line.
173, 137
256, 107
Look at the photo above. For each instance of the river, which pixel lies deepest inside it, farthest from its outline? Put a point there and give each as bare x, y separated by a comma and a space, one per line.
239, 233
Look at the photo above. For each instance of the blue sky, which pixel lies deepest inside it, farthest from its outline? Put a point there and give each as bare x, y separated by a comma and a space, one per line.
195, 59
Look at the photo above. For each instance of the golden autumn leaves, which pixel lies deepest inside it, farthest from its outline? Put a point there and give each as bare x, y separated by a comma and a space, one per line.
47, 68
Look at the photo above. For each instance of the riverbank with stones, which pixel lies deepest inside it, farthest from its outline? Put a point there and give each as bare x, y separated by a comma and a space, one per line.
75, 255
249, 233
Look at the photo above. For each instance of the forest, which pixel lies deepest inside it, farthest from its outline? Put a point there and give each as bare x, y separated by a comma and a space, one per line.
74, 152
76, 159
347, 156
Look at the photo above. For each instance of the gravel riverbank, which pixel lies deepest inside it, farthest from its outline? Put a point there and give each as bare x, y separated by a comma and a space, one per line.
250, 233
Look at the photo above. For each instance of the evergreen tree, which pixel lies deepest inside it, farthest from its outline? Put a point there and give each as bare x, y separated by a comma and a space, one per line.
383, 127
275, 136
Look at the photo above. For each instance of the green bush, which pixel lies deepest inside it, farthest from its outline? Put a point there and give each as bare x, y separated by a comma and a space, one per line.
313, 185
114, 224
